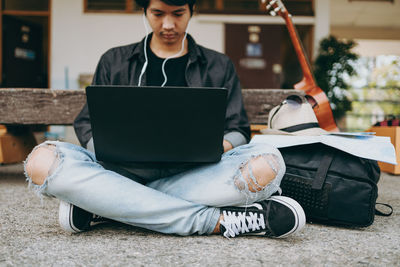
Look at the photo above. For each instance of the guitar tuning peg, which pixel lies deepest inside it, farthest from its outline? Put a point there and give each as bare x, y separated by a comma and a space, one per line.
277, 9
263, 1
273, 13
270, 4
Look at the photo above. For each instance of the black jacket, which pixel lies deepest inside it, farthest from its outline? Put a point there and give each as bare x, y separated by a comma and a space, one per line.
205, 68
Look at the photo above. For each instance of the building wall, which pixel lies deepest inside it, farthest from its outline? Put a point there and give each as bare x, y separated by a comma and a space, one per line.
78, 39
374, 25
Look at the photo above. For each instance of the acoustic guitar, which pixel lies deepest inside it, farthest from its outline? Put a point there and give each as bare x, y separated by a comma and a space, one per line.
323, 109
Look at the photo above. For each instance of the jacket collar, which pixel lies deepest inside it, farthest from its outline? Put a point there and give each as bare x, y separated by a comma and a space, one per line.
194, 50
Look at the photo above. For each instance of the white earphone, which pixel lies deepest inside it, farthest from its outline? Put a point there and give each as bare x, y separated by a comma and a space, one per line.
165, 61
145, 51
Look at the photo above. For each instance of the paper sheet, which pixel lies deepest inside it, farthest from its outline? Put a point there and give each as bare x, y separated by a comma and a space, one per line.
362, 145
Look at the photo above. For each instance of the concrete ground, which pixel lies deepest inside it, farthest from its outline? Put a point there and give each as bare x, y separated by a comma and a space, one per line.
30, 236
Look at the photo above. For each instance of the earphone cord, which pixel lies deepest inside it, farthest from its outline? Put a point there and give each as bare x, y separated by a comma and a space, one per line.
176, 55
145, 51
165, 61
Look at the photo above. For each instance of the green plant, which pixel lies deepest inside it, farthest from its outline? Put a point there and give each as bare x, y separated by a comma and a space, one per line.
331, 65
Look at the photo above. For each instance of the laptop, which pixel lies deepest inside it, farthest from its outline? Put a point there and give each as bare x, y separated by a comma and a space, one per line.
157, 124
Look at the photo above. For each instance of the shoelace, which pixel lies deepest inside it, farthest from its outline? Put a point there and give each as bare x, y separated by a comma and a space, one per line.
239, 223
96, 219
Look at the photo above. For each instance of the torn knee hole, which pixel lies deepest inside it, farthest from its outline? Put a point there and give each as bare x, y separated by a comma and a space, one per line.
42, 163
258, 172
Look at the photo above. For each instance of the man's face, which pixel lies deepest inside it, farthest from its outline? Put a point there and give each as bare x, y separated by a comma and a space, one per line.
168, 22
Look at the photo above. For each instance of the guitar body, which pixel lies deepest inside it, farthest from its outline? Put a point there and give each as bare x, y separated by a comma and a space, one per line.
323, 109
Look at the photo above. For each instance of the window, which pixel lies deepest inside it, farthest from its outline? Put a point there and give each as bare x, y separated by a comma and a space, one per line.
295, 7
123, 6
391, 1
23, 5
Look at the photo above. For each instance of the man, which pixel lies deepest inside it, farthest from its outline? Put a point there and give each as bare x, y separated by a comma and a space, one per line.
231, 197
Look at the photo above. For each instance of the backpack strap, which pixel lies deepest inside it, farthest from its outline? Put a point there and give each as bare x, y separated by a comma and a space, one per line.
323, 168
381, 213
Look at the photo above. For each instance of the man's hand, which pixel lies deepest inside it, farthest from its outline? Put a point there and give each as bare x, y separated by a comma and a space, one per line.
227, 146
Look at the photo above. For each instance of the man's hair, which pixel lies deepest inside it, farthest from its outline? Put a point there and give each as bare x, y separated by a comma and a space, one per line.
145, 3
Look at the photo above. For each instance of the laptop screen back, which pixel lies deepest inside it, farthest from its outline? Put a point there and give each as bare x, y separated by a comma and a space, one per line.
157, 124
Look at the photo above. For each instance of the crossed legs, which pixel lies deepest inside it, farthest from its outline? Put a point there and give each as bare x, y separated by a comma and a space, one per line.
195, 190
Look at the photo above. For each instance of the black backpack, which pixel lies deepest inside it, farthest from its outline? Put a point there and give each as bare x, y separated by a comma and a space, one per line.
332, 186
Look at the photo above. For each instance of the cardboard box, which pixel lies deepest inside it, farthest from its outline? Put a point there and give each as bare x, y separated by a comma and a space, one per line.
256, 129
394, 133
15, 148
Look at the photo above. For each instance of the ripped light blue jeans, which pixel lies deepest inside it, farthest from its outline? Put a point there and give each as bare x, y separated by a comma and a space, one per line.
185, 203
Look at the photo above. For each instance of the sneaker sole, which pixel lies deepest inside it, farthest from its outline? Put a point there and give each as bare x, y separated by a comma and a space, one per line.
64, 217
297, 211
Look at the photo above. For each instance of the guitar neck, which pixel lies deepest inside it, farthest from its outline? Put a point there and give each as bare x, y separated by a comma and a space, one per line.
308, 79
323, 110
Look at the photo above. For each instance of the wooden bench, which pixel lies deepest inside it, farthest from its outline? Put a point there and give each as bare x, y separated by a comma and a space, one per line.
32, 107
